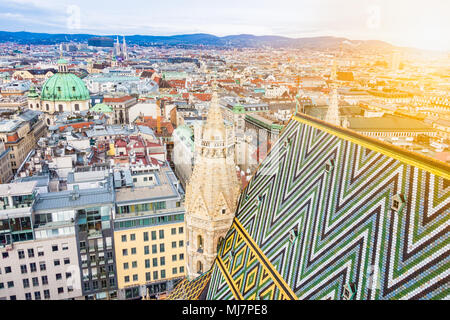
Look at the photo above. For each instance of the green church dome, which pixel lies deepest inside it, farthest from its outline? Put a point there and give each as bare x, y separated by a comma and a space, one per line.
64, 86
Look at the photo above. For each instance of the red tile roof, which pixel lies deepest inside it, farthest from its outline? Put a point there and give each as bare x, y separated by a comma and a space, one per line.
203, 96
121, 99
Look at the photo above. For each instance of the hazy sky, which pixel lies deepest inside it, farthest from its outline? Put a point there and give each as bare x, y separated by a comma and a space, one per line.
416, 23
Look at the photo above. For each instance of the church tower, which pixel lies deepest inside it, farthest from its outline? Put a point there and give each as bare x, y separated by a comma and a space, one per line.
117, 48
332, 115
124, 49
211, 193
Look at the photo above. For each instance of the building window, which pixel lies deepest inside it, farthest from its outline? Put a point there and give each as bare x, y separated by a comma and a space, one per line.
35, 282
199, 267
161, 247
5, 255
26, 283
55, 247
47, 294
161, 234
174, 270
37, 295
58, 276
40, 251
174, 244
134, 264
181, 243
147, 263
153, 235
124, 252
124, 238
135, 277
125, 265
60, 290
163, 273
42, 266
154, 248
23, 268
21, 254
10, 284
33, 267
65, 246
28, 296
147, 276
174, 257
133, 250
173, 231
162, 261
77, 106
200, 242
56, 262
181, 256
155, 262
66, 261
145, 236
180, 230
127, 279
44, 280
155, 275
146, 250
30, 253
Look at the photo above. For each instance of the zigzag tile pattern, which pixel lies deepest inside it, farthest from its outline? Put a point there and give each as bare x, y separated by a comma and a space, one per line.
317, 217
190, 290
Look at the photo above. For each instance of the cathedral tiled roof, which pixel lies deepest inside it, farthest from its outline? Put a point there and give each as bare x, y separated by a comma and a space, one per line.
191, 290
332, 214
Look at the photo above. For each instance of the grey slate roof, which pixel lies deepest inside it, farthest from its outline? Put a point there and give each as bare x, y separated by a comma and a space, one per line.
63, 199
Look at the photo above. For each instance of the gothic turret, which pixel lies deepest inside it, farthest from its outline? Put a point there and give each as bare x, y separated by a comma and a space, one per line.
211, 193
332, 115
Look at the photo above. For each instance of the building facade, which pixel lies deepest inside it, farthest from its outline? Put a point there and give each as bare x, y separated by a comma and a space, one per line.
149, 232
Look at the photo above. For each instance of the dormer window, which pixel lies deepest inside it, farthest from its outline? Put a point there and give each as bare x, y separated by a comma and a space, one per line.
287, 143
293, 234
329, 165
224, 211
398, 202
349, 291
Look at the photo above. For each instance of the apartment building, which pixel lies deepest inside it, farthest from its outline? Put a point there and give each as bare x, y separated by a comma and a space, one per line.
6, 173
90, 210
20, 134
121, 107
38, 252
149, 232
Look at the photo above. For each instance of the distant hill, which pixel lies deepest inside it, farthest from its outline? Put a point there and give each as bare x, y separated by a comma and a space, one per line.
242, 40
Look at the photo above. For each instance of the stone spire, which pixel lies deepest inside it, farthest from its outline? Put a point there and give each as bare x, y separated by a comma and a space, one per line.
124, 49
332, 115
117, 46
211, 193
